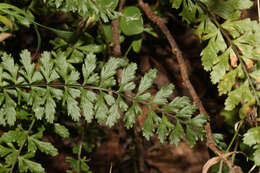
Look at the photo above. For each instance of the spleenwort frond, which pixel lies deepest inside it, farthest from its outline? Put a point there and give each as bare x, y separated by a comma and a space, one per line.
231, 54
54, 81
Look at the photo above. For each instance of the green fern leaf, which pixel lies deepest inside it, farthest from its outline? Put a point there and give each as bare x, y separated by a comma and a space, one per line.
162, 95
147, 81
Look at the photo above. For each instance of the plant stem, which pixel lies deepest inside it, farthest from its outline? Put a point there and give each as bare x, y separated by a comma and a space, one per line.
258, 11
234, 137
21, 147
80, 148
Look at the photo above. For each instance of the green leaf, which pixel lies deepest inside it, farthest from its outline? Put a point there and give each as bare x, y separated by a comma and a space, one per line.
219, 70
176, 3
252, 136
130, 116
45, 147
113, 115
101, 109
209, 54
108, 4
50, 109
162, 95
198, 121
9, 110
109, 99
73, 108
147, 81
86, 104
128, 74
257, 155
148, 127
163, 129
25, 165
122, 104
145, 96
26, 60
88, 66
61, 130
47, 67
242, 93
4, 151
191, 136
176, 134
8, 65
108, 32
92, 48
137, 45
186, 112
131, 22
227, 82
109, 70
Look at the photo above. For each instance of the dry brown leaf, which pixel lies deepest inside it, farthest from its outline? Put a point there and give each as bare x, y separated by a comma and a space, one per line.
233, 60
249, 64
258, 80
215, 160
4, 36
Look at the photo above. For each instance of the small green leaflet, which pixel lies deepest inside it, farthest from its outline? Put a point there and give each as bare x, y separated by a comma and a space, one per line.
252, 136
44, 147
10, 67
26, 60
148, 127
128, 74
137, 45
47, 67
227, 82
131, 22
130, 116
163, 129
186, 112
191, 136
61, 130
147, 81
209, 54
109, 99
235, 96
25, 165
162, 95
50, 110
177, 134
176, 3
108, 4
198, 120
257, 155
88, 67
109, 70
9, 110
86, 104
219, 70
101, 109
73, 108
113, 115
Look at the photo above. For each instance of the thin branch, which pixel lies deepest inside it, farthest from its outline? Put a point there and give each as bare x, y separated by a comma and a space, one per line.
116, 32
184, 74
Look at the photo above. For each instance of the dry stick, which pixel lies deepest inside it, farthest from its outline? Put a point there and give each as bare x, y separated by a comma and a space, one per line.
117, 52
184, 74
116, 33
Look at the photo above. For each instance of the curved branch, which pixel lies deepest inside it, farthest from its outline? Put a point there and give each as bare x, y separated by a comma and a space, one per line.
184, 74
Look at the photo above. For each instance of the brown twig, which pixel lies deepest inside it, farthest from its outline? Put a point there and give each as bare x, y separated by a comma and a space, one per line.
184, 74
116, 33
